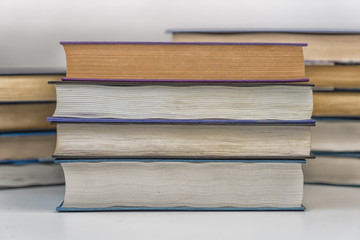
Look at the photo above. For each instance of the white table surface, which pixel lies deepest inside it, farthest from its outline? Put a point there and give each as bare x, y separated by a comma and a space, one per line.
29, 213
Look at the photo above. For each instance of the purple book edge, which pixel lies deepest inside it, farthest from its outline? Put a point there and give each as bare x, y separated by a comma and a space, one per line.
178, 121
179, 43
187, 80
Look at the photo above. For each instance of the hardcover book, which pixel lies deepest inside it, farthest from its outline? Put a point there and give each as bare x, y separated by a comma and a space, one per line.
28, 85
26, 99
326, 45
177, 61
182, 185
27, 145
176, 100
25, 116
333, 168
337, 102
106, 138
34, 172
333, 74
336, 135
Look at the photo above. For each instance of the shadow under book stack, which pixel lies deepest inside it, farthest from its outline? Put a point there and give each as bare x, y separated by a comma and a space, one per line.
27, 140
333, 64
183, 126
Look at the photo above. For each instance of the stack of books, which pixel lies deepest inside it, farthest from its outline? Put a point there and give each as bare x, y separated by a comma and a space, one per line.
27, 140
333, 64
183, 126
336, 137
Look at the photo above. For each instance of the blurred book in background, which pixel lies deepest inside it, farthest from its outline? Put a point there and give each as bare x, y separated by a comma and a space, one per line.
323, 45
333, 64
336, 143
27, 140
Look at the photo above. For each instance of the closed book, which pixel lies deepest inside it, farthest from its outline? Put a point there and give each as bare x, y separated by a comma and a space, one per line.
336, 135
336, 143
178, 100
333, 74
25, 116
176, 61
27, 145
26, 99
20, 85
214, 139
324, 44
140, 184
337, 102
333, 168
34, 172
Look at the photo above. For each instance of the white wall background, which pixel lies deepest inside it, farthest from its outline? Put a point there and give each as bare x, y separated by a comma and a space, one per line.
30, 30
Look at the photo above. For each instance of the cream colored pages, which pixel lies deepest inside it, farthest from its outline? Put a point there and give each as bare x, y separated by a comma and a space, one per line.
332, 170
30, 175
336, 136
271, 102
182, 184
188, 140
333, 47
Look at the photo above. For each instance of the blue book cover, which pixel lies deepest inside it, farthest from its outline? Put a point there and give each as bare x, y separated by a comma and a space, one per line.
60, 208
27, 161
350, 154
26, 102
288, 160
27, 133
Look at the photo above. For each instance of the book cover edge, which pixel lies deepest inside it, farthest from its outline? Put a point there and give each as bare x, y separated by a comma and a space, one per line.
179, 43
178, 121
147, 160
60, 208
185, 80
259, 30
